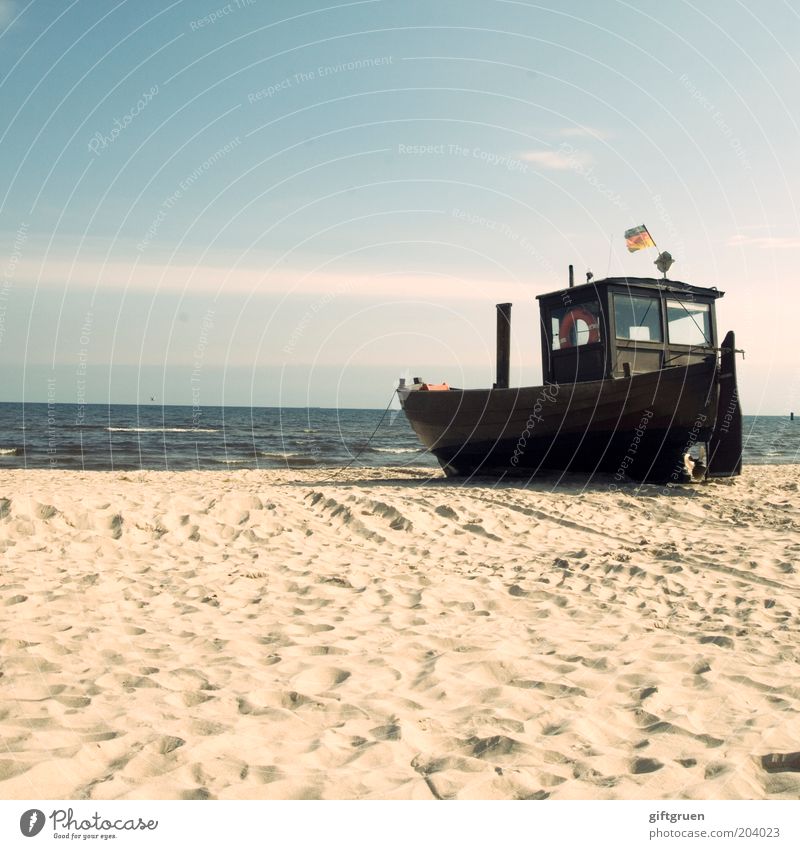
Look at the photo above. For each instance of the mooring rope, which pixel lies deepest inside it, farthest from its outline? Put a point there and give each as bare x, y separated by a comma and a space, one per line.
365, 445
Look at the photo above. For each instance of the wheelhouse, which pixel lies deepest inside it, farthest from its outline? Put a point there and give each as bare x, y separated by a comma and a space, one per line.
622, 326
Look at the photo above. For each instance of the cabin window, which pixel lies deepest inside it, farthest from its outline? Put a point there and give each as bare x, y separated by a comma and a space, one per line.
688, 323
575, 325
637, 318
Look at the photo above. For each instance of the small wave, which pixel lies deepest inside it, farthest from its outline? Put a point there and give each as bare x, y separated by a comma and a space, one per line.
162, 429
278, 455
289, 459
10, 451
360, 448
316, 446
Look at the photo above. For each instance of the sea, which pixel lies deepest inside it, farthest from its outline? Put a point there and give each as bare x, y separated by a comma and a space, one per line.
127, 437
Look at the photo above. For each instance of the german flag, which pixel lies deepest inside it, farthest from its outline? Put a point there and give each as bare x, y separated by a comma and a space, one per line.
637, 238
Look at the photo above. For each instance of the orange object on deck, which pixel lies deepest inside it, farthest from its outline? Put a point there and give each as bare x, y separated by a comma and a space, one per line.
435, 387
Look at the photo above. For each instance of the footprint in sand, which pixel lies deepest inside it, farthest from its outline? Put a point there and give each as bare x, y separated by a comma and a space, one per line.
641, 766
44, 511
446, 512
320, 680
475, 528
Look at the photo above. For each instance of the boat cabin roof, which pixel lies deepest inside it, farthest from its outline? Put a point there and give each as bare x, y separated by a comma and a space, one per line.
654, 283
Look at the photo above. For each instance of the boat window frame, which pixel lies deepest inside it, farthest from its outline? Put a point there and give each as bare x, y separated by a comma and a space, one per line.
593, 305
656, 297
709, 332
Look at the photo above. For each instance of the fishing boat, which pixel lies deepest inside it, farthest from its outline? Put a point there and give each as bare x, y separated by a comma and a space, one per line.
636, 385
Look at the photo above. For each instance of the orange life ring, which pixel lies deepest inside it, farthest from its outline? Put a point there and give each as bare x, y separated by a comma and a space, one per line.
568, 323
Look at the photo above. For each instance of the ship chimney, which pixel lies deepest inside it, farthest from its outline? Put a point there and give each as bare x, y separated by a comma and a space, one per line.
503, 345
571, 277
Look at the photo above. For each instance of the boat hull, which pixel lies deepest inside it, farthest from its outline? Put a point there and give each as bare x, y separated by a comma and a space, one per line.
640, 427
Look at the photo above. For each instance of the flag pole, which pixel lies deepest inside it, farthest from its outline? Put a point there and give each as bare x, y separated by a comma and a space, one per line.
657, 248
651, 237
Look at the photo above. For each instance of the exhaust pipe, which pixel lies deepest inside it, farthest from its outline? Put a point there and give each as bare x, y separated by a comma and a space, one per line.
503, 345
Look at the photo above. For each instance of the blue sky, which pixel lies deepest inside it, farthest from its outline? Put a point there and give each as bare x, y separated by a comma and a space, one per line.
295, 203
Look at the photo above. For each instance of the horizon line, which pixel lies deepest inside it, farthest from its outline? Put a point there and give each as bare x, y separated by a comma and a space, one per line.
155, 404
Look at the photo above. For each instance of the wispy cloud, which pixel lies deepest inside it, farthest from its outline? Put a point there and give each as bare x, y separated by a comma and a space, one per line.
558, 160
768, 242
8, 8
243, 280
584, 132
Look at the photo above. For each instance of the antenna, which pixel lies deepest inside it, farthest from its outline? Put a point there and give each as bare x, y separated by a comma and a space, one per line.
664, 262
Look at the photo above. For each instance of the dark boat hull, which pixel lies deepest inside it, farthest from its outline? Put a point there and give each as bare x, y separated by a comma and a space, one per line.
639, 427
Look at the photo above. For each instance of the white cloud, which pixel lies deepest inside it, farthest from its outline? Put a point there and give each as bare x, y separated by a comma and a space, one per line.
563, 159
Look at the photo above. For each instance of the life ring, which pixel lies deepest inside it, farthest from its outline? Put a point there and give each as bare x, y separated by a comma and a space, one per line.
568, 324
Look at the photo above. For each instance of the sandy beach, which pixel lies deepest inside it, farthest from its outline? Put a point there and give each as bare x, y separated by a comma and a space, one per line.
265, 635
